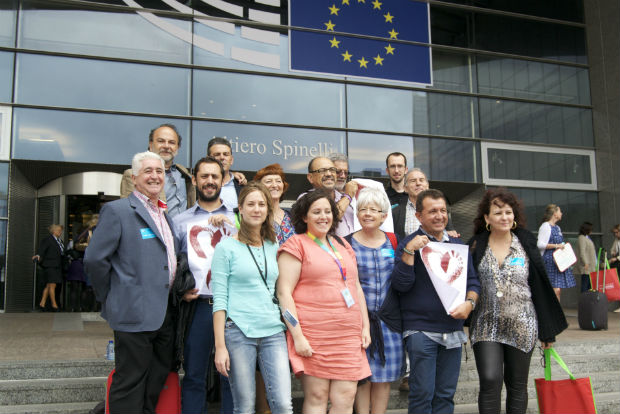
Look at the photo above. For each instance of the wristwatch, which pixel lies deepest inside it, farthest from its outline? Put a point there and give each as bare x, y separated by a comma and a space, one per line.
473, 303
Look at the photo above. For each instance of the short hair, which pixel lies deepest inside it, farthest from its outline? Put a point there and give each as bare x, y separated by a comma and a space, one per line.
172, 127
395, 154
415, 169
272, 169
505, 197
314, 159
301, 207
430, 193
585, 228
339, 157
616, 227
374, 196
549, 212
54, 226
136, 162
266, 229
218, 141
208, 160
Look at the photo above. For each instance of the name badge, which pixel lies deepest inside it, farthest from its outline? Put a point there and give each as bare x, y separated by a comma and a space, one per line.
147, 233
387, 252
348, 298
288, 316
517, 261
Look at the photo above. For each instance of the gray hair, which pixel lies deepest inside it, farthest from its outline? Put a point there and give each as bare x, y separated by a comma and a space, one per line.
339, 157
416, 169
136, 162
374, 196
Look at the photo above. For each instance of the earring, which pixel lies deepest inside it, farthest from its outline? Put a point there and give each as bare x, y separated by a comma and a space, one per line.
488, 227
514, 224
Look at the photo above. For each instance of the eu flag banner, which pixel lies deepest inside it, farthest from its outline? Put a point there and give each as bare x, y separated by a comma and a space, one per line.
352, 56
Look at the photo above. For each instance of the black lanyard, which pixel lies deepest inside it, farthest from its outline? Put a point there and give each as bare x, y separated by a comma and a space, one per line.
262, 276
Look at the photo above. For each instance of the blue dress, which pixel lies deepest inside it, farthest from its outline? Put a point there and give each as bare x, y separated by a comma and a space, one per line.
374, 267
558, 279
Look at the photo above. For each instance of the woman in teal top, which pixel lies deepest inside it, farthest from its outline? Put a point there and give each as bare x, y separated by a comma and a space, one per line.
246, 316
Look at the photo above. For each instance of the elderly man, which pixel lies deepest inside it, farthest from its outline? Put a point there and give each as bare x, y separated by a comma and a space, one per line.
322, 174
405, 221
341, 162
396, 168
131, 261
433, 337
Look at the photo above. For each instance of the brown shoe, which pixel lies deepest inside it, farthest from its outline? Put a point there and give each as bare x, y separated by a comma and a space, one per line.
404, 384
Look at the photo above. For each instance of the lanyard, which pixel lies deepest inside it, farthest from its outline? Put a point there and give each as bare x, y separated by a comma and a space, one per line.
334, 255
264, 277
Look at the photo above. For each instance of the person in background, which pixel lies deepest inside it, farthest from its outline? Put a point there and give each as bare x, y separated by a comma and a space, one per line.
614, 260
517, 302
550, 239
586, 255
396, 168
50, 257
374, 252
220, 149
341, 162
403, 215
246, 318
272, 177
323, 305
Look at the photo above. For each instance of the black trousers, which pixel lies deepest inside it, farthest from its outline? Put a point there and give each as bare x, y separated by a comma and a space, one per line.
142, 361
498, 363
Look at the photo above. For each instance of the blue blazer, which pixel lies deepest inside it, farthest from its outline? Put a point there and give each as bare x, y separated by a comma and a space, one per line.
127, 263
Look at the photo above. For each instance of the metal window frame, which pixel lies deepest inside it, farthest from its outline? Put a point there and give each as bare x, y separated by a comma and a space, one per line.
5, 132
486, 145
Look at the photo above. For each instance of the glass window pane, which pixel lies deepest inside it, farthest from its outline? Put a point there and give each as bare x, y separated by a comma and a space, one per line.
453, 160
533, 80
529, 122
97, 84
3, 226
571, 10
451, 71
366, 159
4, 191
450, 115
268, 99
6, 76
538, 166
255, 146
383, 109
7, 23
86, 137
102, 33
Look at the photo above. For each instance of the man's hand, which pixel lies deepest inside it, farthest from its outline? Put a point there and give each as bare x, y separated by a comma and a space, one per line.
190, 295
218, 220
350, 188
417, 243
462, 311
454, 234
240, 177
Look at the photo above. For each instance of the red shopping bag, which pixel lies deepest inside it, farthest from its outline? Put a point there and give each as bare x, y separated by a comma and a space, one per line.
606, 281
568, 396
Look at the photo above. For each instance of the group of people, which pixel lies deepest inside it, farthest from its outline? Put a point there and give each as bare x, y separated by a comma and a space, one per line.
276, 290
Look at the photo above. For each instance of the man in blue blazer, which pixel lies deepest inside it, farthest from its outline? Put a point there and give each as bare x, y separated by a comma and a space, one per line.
131, 260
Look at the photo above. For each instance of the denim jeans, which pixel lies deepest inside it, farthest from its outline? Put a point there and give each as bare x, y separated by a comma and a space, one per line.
434, 375
272, 356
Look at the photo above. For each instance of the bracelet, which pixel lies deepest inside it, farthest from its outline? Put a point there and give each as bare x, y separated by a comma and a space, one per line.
347, 196
409, 252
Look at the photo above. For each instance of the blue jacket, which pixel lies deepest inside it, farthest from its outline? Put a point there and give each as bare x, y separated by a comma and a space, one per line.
420, 306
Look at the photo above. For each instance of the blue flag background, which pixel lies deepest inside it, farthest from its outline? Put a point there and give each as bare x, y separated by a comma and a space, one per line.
345, 55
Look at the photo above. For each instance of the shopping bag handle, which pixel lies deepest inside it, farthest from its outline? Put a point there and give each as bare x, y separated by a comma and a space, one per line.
598, 263
550, 352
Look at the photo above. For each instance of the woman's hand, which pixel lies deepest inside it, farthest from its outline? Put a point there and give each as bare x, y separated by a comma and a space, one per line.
546, 345
366, 337
302, 347
222, 361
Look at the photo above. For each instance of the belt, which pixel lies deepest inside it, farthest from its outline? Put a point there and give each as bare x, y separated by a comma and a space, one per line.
206, 299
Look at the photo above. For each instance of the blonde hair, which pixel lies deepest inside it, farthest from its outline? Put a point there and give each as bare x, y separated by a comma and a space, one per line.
549, 212
266, 229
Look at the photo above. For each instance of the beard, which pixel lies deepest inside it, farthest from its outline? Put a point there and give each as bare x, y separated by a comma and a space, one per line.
203, 197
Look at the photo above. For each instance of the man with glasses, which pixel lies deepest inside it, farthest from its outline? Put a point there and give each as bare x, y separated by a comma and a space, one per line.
322, 174
396, 168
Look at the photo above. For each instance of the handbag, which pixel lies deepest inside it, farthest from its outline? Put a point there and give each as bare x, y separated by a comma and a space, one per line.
609, 285
567, 396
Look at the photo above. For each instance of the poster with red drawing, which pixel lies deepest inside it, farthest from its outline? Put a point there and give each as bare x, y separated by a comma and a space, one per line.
201, 241
446, 264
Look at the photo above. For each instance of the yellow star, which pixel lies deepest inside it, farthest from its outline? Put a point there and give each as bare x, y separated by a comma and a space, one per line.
376, 5
378, 60
389, 49
363, 62
334, 42
333, 10
345, 2
388, 17
347, 56
330, 25
392, 33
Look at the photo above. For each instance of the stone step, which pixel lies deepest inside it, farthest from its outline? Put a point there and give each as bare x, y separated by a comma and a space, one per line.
61, 408
21, 370
52, 391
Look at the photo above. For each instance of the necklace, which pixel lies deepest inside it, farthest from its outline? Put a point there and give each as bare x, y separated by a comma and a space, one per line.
262, 276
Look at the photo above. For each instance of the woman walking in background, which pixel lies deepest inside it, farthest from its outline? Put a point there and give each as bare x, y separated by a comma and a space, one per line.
50, 257
586, 255
550, 239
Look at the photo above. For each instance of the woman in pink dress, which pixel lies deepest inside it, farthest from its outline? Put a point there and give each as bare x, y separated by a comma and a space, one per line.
324, 308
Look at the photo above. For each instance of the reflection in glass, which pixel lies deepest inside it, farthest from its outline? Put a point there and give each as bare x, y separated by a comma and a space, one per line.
268, 99
533, 80
6, 76
100, 33
383, 109
450, 115
4, 189
538, 166
453, 160
571, 10
367, 158
7, 23
451, 71
528, 122
3, 226
86, 137
98, 84
256, 146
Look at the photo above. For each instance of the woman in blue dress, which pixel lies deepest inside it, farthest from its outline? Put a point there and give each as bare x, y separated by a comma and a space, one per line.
550, 239
374, 251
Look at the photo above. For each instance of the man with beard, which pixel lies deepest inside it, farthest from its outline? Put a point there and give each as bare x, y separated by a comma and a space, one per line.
208, 217
341, 162
396, 168
178, 192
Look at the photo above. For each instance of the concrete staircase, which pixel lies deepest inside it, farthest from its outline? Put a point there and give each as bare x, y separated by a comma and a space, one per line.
75, 387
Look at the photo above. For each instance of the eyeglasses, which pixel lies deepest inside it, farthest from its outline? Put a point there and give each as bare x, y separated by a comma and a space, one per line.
345, 172
369, 210
332, 170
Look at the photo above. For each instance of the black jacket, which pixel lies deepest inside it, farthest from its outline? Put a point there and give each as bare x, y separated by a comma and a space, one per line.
49, 252
551, 319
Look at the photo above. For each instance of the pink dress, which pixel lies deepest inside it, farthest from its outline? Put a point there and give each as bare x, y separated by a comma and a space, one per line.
333, 330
